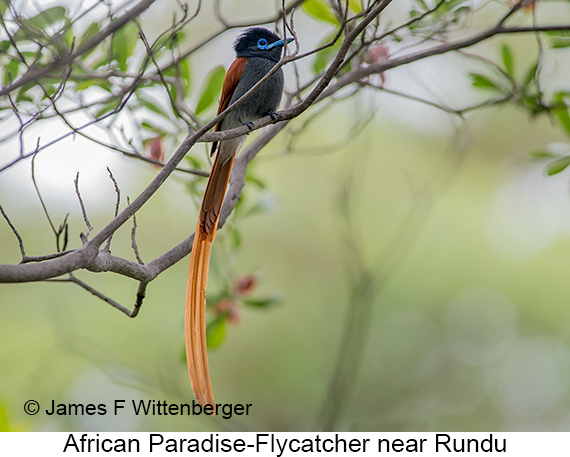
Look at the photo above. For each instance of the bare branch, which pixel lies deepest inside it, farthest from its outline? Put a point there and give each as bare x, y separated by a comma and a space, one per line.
134, 237
39, 194
117, 204
113, 303
43, 258
90, 257
15, 232
35, 73
84, 237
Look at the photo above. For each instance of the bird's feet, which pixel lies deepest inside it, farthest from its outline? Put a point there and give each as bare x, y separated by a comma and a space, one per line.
249, 126
273, 115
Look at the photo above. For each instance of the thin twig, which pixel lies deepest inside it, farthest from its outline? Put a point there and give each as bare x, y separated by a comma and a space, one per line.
90, 257
84, 237
39, 194
43, 258
16, 234
106, 299
36, 73
134, 237
117, 204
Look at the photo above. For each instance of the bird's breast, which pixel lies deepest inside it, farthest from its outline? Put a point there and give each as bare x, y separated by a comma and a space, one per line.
265, 99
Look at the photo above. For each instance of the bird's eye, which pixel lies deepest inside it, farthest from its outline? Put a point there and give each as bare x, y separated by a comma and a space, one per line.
262, 43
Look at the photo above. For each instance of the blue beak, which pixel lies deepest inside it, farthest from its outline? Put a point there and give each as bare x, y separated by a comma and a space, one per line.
278, 43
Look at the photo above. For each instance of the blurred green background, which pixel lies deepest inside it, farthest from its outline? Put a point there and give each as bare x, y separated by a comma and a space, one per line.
467, 239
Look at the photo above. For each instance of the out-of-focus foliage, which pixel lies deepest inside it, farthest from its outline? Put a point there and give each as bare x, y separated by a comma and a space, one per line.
212, 89
376, 195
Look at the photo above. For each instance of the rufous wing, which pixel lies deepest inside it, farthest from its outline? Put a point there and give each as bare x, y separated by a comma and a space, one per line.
228, 88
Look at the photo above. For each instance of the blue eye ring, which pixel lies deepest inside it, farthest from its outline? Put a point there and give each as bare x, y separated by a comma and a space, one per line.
262, 43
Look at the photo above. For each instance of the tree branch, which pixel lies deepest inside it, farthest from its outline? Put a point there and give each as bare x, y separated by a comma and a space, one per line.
35, 73
88, 255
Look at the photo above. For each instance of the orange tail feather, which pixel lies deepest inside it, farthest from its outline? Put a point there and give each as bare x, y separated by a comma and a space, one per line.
195, 319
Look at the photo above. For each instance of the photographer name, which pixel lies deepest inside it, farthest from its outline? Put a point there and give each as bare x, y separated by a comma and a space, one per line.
149, 408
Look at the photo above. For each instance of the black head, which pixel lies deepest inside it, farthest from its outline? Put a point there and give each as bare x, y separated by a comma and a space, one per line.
259, 42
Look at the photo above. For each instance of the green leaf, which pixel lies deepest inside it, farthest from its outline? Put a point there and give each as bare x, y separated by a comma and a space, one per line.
159, 48
83, 84
24, 98
107, 107
461, 10
170, 71
456, 5
185, 75
102, 61
172, 41
153, 128
267, 302
530, 73
211, 92
533, 103
4, 6
559, 33
321, 60
123, 44
152, 106
562, 112
30, 57
22, 93
216, 331
557, 43
194, 162
69, 37
508, 60
422, 5
541, 154
323, 56
482, 82
46, 18
50, 90
559, 39
11, 71
92, 31
563, 117
320, 10
557, 166
355, 5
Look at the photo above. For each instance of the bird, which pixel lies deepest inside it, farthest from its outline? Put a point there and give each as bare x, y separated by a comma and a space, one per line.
257, 51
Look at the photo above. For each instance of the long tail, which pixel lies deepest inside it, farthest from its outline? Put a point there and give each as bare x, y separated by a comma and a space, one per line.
195, 319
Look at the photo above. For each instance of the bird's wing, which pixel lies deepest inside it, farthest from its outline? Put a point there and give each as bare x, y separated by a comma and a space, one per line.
228, 88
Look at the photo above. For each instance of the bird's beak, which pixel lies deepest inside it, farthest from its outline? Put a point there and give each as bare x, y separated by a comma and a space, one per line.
279, 43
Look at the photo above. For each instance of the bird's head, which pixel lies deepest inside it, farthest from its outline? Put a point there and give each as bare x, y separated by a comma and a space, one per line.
259, 42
